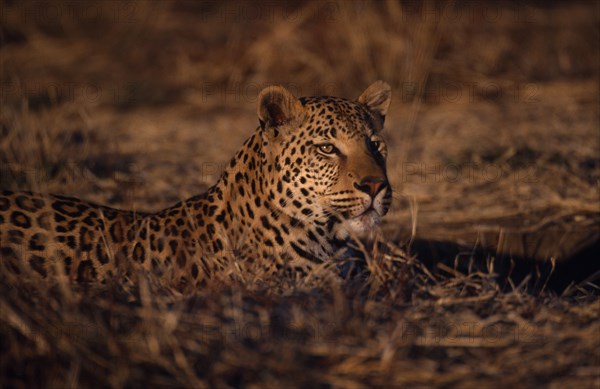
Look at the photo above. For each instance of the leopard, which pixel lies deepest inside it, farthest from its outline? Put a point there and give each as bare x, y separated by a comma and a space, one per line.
310, 180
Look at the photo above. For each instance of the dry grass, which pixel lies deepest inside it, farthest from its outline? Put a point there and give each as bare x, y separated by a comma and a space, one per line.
395, 325
494, 150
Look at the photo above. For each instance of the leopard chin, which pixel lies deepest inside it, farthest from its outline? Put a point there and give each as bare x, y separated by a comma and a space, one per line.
361, 226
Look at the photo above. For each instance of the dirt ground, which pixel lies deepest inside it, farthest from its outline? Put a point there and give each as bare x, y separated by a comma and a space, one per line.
494, 157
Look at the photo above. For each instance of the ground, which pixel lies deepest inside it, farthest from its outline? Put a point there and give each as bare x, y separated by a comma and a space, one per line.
494, 154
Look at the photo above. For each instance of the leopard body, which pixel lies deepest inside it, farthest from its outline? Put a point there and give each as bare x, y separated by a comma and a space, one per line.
311, 177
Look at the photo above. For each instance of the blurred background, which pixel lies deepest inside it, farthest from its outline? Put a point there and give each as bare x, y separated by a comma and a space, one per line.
493, 131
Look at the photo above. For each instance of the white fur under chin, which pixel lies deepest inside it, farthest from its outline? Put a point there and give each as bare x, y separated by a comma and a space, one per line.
361, 226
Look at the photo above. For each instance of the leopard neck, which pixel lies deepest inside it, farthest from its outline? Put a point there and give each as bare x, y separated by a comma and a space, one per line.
248, 190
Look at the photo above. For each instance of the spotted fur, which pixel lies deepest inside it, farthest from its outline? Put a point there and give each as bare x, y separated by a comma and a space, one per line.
311, 177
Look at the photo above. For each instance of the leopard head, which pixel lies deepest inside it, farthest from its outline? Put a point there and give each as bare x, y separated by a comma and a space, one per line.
325, 157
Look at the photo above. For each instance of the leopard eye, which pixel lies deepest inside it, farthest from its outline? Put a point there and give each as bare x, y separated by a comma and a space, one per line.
374, 145
326, 148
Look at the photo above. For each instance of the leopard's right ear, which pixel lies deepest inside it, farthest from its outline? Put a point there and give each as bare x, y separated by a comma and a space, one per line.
278, 107
377, 97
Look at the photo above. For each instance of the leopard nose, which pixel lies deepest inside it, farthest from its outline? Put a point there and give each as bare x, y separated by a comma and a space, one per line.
371, 185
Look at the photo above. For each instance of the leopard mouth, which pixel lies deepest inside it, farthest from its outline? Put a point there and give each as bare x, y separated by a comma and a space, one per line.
364, 224
371, 210
370, 216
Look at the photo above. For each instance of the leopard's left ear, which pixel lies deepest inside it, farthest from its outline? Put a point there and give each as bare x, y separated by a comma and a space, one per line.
278, 107
377, 98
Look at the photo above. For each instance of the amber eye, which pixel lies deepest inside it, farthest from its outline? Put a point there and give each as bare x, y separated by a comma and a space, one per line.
326, 148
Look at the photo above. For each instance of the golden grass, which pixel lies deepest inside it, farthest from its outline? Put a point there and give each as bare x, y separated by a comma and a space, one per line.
393, 324
494, 147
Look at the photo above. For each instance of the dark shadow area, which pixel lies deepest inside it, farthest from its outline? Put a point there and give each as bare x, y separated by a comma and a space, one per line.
513, 271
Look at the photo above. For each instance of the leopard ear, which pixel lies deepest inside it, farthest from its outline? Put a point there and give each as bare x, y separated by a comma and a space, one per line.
277, 107
377, 97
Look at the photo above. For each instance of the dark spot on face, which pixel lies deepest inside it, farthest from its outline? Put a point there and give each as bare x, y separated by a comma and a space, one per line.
307, 211
143, 233
86, 271
155, 225
116, 232
220, 217
194, 270
30, 204
69, 208
89, 220
85, 239
38, 242
43, 221
68, 262
9, 257
59, 218
101, 253
66, 227
210, 229
4, 203
19, 219
211, 210
173, 244
265, 222
296, 222
71, 241
15, 236
139, 254
250, 212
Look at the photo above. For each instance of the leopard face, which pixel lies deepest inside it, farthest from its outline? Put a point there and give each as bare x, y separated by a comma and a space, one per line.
332, 164
309, 179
